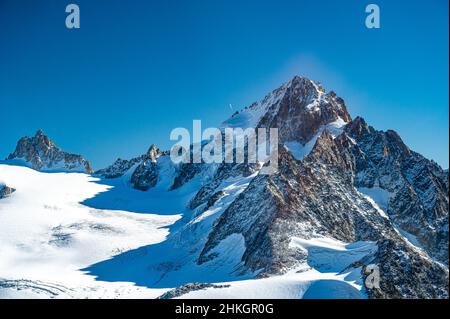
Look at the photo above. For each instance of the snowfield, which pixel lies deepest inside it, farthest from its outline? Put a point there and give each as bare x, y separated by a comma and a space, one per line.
325, 276
71, 235
47, 236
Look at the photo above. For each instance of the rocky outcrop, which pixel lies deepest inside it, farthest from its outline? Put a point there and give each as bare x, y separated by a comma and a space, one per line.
187, 288
5, 190
42, 154
186, 172
119, 167
153, 153
300, 109
209, 194
145, 175
143, 169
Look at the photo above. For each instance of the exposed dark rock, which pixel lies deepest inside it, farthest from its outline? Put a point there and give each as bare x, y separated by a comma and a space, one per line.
405, 273
187, 172
145, 175
223, 172
42, 154
5, 191
303, 108
418, 200
182, 290
119, 167
214, 198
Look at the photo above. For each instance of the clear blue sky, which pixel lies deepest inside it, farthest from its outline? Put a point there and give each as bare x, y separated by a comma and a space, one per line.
137, 69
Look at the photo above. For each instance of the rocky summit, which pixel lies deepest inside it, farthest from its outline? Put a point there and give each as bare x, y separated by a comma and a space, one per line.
43, 154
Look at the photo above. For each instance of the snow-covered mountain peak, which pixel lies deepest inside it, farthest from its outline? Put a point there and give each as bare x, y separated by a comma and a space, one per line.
41, 153
299, 109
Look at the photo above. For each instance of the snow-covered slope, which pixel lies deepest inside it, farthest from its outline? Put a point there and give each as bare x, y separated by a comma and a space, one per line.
47, 236
327, 274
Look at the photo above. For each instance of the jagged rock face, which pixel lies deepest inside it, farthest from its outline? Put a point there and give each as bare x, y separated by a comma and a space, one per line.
307, 199
298, 109
445, 178
43, 154
303, 109
406, 273
418, 190
145, 173
119, 167
187, 172
207, 194
5, 190
153, 153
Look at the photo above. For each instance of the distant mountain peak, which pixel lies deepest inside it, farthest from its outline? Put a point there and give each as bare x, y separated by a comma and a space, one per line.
154, 152
41, 153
